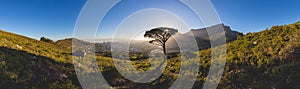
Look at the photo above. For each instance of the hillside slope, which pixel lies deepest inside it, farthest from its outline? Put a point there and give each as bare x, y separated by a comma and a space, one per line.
263, 60
33, 46
29, 63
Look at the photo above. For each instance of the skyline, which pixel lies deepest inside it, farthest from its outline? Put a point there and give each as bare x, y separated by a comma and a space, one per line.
56, 19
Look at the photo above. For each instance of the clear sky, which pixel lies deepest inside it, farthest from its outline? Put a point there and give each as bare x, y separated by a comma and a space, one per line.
130, 9
35, 18
256, 15
56, 18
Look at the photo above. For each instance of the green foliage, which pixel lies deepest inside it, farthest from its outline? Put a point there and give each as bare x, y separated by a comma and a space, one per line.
20, 69
266, 59
39, 48
62, 85
28, 63
46, 40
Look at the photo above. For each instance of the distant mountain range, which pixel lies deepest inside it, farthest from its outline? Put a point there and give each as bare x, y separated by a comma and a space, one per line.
202, 37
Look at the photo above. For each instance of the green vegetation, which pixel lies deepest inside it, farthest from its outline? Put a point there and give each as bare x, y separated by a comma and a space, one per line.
39, 48
29, 63
266, 59
46, 40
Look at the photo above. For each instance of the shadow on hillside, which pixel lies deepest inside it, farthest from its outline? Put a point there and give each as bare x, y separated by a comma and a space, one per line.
119, 82
20, 69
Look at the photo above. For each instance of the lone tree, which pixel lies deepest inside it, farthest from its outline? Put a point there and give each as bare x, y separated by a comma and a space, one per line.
160, 36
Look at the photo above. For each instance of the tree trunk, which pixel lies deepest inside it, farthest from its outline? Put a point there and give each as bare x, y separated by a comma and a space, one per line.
164, 49
165, 57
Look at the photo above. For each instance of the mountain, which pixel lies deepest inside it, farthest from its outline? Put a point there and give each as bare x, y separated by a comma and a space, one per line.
74, 43
202, 33
201, 36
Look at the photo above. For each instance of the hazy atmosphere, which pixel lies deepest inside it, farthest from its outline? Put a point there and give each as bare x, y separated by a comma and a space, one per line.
149, 44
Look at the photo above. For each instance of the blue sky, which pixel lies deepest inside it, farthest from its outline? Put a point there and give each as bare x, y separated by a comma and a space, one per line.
127, 8
56, 18
35, 18
256, 15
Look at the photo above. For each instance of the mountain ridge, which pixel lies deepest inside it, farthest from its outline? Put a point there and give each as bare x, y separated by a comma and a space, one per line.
202, 37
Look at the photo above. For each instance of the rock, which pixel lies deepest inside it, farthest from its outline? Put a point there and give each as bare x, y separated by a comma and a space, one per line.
19, 47
80, 53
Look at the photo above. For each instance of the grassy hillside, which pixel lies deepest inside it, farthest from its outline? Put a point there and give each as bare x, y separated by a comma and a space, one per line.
19, 69
266, 59
14, 41
263, 60
29, 63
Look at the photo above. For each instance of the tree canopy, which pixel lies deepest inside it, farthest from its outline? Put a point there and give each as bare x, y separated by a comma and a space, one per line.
160, 36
